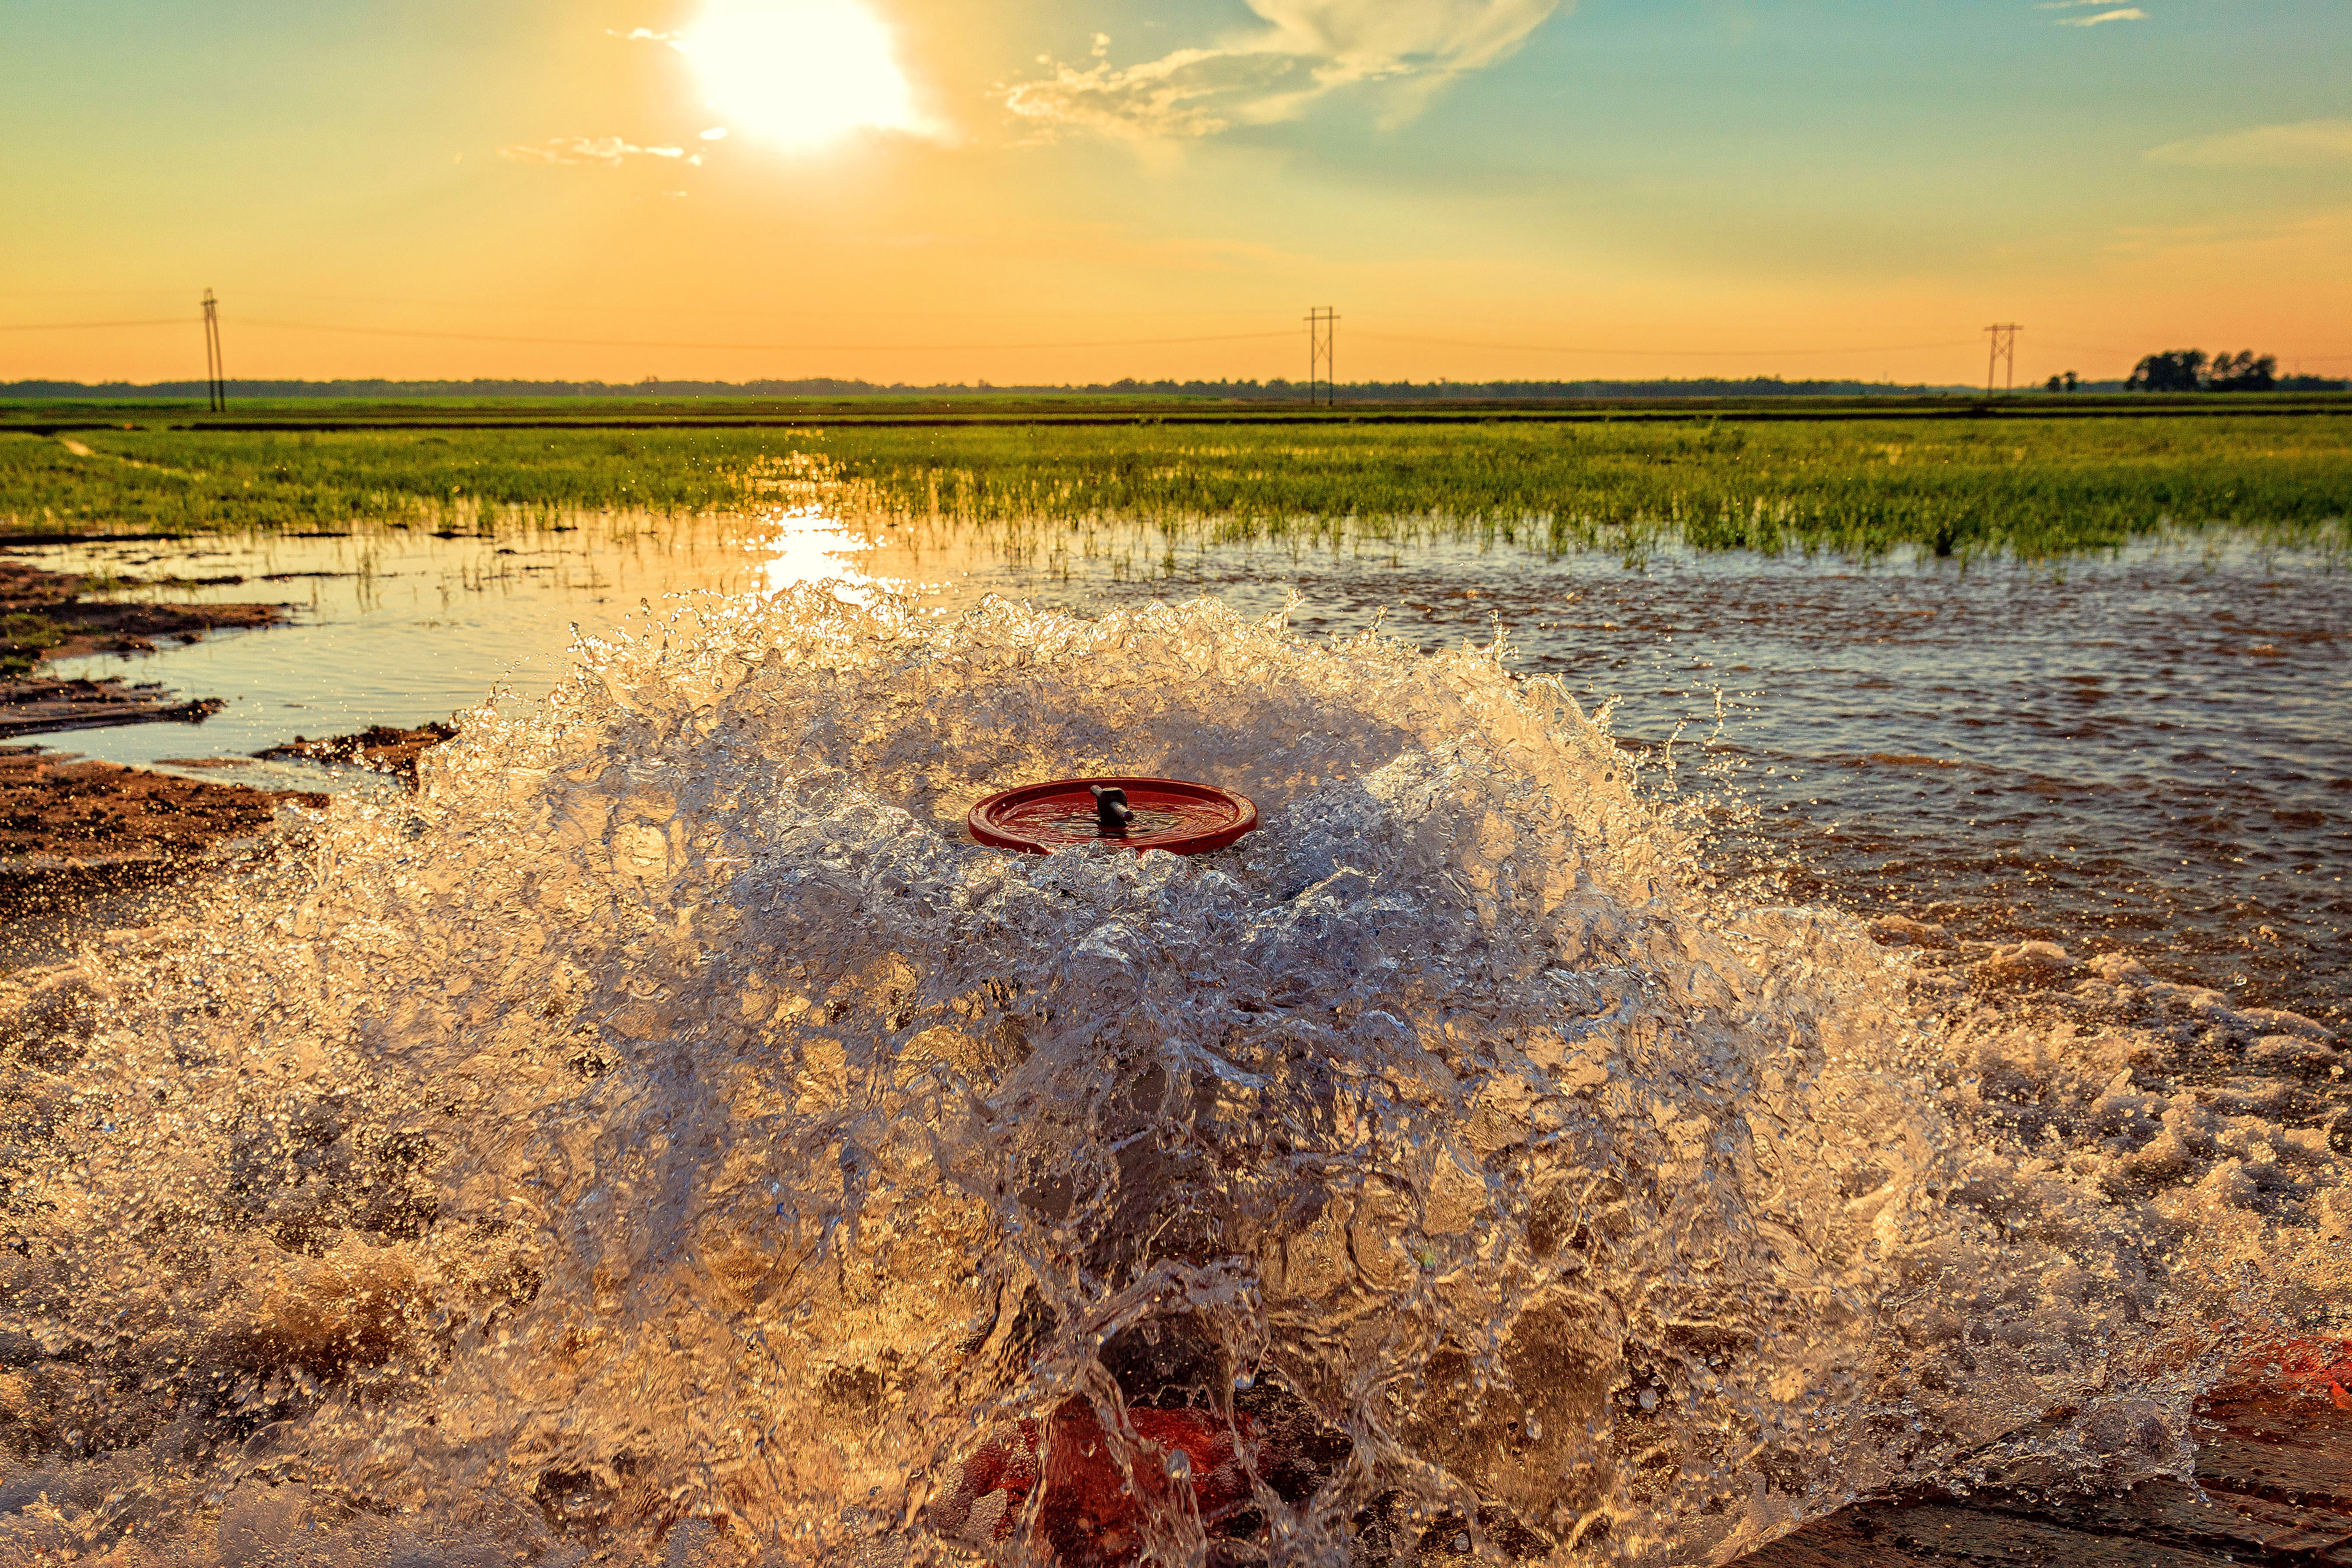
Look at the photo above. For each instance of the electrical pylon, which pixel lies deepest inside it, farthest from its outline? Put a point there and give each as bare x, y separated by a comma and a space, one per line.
1322, 323
2004, 352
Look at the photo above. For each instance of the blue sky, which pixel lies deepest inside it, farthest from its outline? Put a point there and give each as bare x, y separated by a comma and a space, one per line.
1483, 188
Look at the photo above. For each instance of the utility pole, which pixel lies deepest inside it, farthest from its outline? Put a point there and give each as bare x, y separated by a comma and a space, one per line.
2004, 352
1322, 323
215, 368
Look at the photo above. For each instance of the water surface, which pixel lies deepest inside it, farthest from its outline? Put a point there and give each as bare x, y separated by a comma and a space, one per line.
2149, 751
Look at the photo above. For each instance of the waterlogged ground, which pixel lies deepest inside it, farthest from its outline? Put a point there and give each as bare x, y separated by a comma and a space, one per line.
398, 627
2149, 754
668, 1136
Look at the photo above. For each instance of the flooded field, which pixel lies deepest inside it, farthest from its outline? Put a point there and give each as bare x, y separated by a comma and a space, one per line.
2149, 751
665, 1136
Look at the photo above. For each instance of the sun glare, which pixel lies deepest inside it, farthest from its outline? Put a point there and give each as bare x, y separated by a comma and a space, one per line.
799, 73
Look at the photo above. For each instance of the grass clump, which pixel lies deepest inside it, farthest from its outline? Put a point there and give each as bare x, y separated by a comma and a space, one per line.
23, 638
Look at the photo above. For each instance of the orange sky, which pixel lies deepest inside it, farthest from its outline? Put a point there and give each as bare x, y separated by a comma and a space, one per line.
1078, 190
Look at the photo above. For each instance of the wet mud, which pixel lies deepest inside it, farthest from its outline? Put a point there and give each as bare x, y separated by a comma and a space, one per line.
44, 615
379, 748
61, 814
37, 706
71, 828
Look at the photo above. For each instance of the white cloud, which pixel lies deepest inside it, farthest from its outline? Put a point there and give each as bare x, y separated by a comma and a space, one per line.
2121, 13
609, 151
2307, 143
1308, 49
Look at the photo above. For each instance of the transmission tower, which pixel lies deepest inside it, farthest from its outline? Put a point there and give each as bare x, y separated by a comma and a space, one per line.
2004, 354
1322, 323
215, 368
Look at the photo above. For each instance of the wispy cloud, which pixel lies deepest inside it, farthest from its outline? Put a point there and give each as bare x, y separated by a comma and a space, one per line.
1308, 51
609, 151
2307, 143
2120, 13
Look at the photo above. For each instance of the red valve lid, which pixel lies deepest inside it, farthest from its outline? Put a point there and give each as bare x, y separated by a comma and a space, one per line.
1174, 814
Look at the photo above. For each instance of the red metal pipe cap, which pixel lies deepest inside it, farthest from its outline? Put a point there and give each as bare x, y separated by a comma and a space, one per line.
1175, 814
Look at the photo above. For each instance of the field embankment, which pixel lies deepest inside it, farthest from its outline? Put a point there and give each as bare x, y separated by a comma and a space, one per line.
2027, 488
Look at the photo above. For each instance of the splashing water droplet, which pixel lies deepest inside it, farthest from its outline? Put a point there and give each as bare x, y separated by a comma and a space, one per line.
689, 1122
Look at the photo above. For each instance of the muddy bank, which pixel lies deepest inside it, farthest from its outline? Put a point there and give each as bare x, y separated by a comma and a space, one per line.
58, 814
72, 828
43, 707
43, 614
88, 845
379, 748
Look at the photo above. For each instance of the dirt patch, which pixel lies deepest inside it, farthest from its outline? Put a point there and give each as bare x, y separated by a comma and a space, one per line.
380, 748
61, 814
46, 617
43, 616
44, 707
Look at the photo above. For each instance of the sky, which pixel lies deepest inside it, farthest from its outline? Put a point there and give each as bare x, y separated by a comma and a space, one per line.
1057, 191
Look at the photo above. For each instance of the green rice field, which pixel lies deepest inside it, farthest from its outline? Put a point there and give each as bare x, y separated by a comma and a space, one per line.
2023, 488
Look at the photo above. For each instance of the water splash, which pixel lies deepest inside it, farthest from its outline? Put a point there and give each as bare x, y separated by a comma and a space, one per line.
668, 1134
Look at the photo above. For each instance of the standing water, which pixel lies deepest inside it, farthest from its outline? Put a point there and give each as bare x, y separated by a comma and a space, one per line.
667, 1133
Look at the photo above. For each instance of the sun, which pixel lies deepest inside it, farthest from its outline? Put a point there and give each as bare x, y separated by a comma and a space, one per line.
799, 73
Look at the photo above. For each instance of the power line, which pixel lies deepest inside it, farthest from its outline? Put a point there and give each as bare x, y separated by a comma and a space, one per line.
606, 307
765, 348
1662, 354
1322, 330
90, 326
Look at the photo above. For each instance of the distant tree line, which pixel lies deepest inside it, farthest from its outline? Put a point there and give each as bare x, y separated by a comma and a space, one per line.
2181, 370
2189, 370
1280, 390
1277, 389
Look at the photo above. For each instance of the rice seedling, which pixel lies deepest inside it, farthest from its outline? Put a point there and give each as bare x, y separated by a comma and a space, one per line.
2027, 488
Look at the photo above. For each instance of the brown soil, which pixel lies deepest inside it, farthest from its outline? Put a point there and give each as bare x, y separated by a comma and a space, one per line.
379, 747
43, 707
43, 614
58, 814
104, 627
